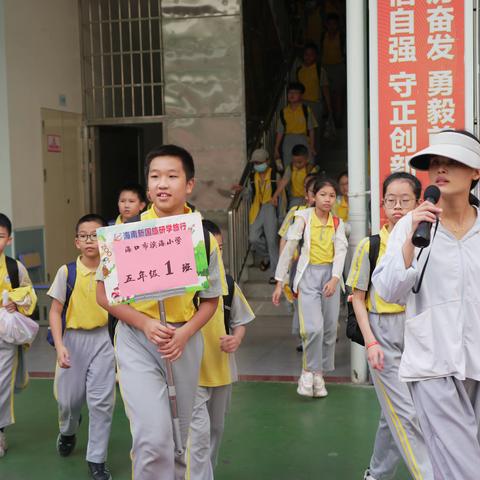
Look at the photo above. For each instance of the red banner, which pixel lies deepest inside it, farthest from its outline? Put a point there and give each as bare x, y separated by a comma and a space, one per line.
421, 76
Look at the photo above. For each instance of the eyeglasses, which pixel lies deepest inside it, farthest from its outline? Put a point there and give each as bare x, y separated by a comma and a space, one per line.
391, 202
84, 237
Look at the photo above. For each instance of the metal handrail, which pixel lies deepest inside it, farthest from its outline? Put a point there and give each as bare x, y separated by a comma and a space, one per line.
238, 224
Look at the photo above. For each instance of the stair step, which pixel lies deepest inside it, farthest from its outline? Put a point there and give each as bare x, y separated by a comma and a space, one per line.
256, 275
258, 290
262, 307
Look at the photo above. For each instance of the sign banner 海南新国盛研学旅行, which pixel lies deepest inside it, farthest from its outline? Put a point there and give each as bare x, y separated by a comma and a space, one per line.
153, 259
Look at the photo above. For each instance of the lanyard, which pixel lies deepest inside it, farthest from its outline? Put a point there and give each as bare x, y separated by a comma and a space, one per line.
416, 289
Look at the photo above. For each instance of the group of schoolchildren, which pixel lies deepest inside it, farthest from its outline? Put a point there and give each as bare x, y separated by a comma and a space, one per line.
416, 308
202, 332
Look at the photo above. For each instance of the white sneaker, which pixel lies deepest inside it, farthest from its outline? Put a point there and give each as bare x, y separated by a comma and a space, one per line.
367, 475
319, 390
305, 384
3, 444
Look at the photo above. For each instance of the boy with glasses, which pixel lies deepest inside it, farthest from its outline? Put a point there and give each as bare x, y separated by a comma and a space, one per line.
85, 357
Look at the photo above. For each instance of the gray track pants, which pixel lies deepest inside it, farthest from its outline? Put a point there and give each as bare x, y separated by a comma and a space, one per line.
399, 434
90, 378
448, 410
318, 316
8, 369
206, 430
263, 235
143, 385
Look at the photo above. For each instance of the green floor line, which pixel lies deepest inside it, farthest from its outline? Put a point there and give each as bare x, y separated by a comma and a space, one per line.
271, 434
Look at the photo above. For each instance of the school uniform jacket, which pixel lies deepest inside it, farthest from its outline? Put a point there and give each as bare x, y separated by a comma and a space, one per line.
299, 229
442, 329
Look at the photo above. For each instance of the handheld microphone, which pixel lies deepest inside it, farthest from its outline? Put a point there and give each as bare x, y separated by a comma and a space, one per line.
421, 236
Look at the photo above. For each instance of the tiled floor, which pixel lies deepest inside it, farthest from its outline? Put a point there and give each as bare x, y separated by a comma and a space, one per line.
271, 434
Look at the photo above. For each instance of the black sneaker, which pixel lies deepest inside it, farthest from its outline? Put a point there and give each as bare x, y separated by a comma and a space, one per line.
264, 265
66, 444
98, 471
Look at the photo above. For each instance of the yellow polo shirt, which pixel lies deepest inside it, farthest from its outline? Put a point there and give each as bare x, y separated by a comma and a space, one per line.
263, 192
360, 274
322, 249
297, 178
332, 50
83, 311
181, 308
340, 209
295, 122
308, 76
215, 366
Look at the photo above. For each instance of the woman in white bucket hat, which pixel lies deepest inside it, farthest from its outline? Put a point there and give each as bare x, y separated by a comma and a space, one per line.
441, 360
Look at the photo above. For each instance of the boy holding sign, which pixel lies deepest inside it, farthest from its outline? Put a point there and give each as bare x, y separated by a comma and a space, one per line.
144, 345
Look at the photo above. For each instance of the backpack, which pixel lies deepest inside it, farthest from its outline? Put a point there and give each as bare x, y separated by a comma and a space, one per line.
227, 302
305, 114
71, 278
293, 268
12, 270
318, 66
112, 321
353, 330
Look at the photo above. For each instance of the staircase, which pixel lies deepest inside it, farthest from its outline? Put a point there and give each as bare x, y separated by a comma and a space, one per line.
268, 352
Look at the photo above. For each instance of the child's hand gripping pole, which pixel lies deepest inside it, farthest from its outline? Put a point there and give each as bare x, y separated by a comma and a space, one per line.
172, 394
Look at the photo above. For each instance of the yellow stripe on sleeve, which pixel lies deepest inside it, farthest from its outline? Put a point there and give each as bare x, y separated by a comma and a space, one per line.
362, 250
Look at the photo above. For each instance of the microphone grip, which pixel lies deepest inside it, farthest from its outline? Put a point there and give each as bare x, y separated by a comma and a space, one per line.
421, 236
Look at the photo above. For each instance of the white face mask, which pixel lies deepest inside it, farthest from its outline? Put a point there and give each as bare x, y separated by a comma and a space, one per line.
260, 167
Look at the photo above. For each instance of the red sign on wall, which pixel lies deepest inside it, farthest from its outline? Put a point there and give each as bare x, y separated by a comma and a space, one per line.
420, 77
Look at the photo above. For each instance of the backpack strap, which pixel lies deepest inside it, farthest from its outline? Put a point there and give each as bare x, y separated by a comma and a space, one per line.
206, 234
12, 270
227, 302
336, 222
71, 279
373, 252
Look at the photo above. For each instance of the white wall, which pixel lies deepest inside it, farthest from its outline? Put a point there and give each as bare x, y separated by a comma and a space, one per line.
43, 62
5, 171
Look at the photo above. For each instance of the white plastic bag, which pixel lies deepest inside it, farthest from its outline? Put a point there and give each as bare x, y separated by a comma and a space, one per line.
14, 327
